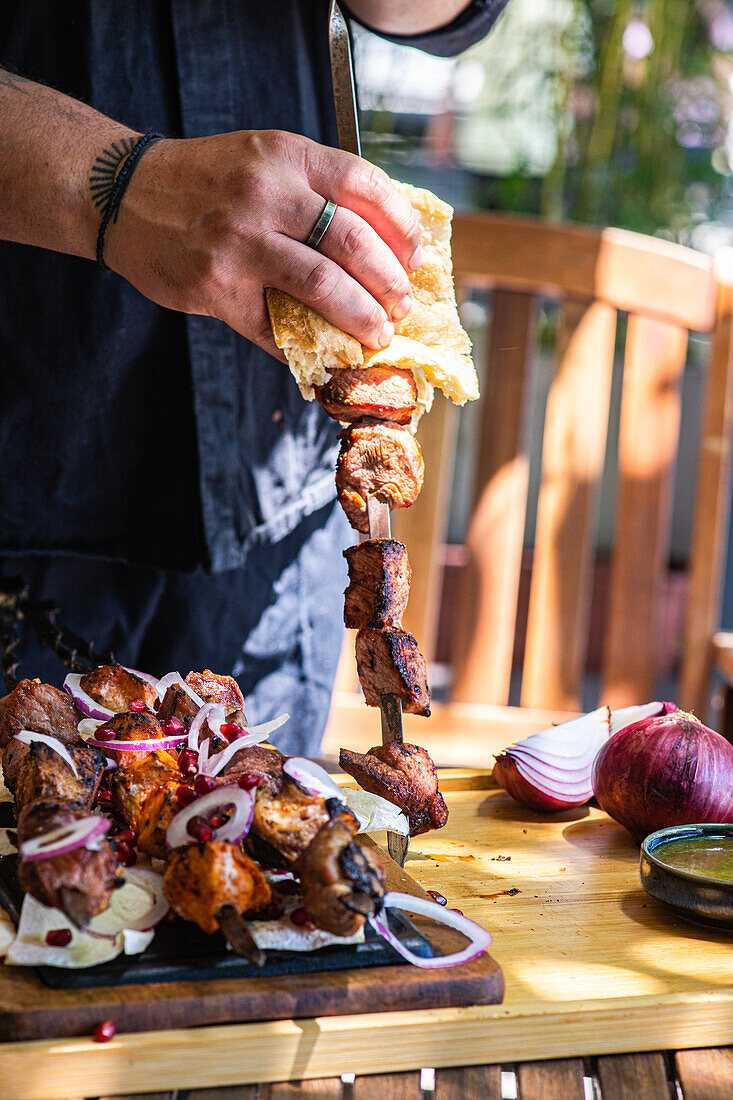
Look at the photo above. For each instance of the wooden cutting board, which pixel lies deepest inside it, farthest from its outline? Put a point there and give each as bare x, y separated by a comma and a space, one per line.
30, 1010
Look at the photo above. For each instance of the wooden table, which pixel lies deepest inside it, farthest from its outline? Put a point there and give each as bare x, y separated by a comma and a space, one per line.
595, 971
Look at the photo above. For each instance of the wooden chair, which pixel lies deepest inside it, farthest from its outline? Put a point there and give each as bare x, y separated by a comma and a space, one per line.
594, 275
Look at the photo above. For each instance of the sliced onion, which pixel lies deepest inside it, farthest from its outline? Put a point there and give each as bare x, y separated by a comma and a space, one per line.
27, 737
89, 726
152, 882
172, 678
551, 770
152, 680
65, 838
235, 828
212, 713
268, 727
154, 743
479, 937
312, 778
214, 764
83, 702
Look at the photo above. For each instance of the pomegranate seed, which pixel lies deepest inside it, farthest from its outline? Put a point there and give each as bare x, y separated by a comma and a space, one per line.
104, 1032
104, 733
58, 937
288, 886
438, 897
126, 836
172, 726
202, 784
188, 761
199, 829
248, 782
139, 705
274, 908
301, 917
185, 795
459, 911
104, 797
230, 730
217, 819
127, 855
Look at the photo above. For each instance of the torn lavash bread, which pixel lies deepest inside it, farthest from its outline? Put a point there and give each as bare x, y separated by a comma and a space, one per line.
430, 340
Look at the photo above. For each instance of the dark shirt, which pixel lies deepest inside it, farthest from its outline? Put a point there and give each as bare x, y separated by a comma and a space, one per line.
128, 431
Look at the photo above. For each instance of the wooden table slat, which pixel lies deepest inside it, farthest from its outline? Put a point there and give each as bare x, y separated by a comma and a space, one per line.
561, 1079
321, 1088
633, 1075
706, 1074
228, 1092
471, 1083
387, 1086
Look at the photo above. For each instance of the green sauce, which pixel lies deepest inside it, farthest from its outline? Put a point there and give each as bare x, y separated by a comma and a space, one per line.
708, 856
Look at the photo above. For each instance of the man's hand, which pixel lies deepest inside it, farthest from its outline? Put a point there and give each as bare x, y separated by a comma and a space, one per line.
207, 223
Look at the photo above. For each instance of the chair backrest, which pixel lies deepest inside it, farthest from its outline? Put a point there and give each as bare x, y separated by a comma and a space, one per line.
594, 275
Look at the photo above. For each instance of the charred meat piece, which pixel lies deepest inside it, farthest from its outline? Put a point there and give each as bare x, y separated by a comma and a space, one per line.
45, 775
264, 765
404, 775
158, 810
39, 707
377, 460
132, 784
201, 879
342, 882
288, 821
79, 882
389, 663
210, 687
379, 583
386, 393
115, 687
132, 726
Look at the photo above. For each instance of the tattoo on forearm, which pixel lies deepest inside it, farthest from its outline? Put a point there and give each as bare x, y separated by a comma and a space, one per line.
11, 80
104, 170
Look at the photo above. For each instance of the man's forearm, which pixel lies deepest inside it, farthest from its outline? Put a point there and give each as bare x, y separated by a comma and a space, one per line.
407, 16
48, 146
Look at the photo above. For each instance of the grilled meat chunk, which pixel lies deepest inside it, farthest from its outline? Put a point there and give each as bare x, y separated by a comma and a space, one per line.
379, 583
79, 882
45, 775
342, 882
133, 726
389, 663
210, 687
289, 820
404, 775
158, 810
115, 687
132, 784
377, 460
201, 879
387, 393
265, 765
39, 707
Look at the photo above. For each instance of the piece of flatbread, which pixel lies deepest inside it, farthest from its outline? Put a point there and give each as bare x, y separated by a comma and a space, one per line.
429, 340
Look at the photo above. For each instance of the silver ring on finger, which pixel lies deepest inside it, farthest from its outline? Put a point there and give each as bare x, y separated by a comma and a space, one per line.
319, 229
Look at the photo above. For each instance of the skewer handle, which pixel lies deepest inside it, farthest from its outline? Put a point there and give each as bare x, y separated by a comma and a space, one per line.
238, 935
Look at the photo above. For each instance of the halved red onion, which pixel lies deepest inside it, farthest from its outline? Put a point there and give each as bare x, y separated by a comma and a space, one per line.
172, 678
27, 737
479, 937
551, 770
83, 702
152, 680
234, 829
65, 838
170, 742
312, 778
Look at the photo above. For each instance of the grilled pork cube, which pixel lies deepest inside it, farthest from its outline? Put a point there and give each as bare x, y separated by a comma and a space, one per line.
115, 687
288, 821
210, 687
342, 882
45, 775
200, 879
265, 765
379, 583
404, 775
130, 785
132, 726
386, 393
39, 707
389, 663
377, 460
80, 882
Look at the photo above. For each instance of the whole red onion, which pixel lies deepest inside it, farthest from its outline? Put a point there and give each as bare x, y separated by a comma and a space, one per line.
670, 770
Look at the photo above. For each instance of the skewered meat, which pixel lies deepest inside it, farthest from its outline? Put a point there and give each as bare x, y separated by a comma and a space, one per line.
389, 663
79, 882
387, 393
342, 882
379, 583
158, 810
133, 726
404, 775
210, 687
45, 775
116, 687
201, 879
264, 765
289, 820
377, 460
133, 782
39, 707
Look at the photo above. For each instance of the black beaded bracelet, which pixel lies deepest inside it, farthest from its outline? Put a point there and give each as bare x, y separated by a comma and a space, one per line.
124, 176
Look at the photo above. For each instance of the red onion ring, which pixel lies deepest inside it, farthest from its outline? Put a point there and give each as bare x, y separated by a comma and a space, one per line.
312, 778
28, 737
152, 680
206, 712
154, 743
65, 838
172, 678
235, 828
479, 937
83, 702
213, 765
